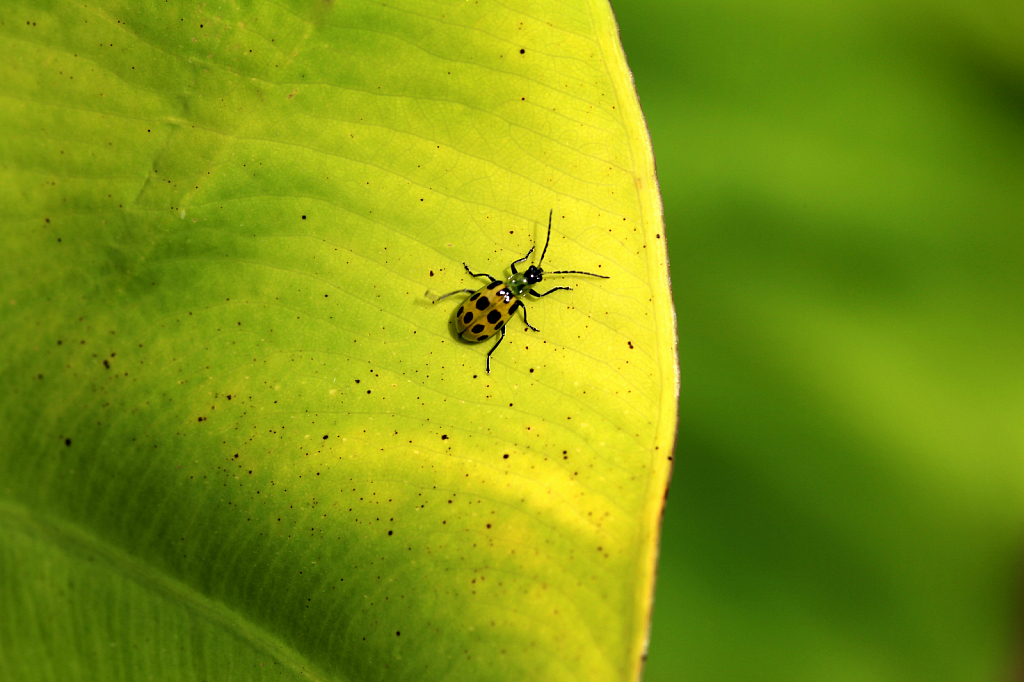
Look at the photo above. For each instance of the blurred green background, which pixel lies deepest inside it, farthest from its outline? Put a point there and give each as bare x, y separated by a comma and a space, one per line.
844, 200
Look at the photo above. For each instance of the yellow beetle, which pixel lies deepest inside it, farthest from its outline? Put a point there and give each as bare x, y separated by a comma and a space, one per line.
490, 308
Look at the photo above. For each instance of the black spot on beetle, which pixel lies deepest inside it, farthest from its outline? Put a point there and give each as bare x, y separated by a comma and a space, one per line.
483, 337
483, 303
494, 285
467, 319
474, 296
462, 309
494, 316
477, 329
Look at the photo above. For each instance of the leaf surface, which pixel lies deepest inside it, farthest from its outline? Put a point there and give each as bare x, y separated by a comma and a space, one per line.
238, 440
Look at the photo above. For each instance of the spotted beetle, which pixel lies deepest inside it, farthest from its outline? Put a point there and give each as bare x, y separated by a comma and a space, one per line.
489, 308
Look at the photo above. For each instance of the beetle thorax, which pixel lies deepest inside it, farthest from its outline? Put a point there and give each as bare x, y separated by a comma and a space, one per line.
520, 282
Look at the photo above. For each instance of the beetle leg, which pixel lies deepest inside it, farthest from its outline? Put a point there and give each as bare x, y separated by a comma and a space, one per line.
549, 291
500, 339
478, 274
452, 293
524, 318
513, 266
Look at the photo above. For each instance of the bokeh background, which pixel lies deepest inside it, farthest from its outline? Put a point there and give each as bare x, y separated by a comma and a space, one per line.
844, 200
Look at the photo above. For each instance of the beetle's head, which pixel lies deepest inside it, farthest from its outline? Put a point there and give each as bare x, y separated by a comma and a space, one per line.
533, 274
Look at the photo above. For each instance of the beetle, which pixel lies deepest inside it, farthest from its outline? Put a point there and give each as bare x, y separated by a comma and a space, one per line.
492, 306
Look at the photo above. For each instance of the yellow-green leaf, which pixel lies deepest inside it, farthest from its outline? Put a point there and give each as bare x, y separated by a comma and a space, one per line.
237, 439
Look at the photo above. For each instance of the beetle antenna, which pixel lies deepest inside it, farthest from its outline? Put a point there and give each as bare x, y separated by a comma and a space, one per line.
548, 240
575, 272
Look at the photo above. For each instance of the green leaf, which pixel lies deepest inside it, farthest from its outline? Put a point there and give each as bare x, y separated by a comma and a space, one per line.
844, 193
237, 440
